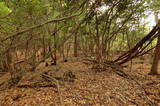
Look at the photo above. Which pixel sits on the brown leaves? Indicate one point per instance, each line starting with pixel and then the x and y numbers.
pixel 89 88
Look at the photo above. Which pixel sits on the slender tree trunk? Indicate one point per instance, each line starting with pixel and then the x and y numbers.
pixel 75 46
pixel 44 47
pixel 50 49
pixel 55 51
pixel 98 50
pixel 154 69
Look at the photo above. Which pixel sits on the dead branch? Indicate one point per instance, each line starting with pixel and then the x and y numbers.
pixel 117 70
pixel 58 86
pixel 138 48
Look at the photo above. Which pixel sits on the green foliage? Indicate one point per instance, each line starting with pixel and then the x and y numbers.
pixel 121 19
pixel 4 10
pixel 155 5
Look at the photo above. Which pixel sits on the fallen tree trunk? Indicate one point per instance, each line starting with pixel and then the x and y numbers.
pixel 138 49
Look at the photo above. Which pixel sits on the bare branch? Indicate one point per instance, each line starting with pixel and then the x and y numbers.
pixel 38 26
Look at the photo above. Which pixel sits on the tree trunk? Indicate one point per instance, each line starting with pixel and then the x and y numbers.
pixel 154 68
pixel 55 51
pixel 75 46
pixel 44 47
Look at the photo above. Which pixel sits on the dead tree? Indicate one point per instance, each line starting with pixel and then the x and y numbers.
pixel 139 48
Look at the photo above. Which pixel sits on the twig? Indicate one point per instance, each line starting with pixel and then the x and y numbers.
pixel 58 87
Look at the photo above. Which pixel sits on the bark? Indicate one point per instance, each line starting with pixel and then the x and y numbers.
pixel 154 69
pixel 75 46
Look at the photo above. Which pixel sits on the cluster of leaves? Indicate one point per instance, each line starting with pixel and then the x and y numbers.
pixel 4 10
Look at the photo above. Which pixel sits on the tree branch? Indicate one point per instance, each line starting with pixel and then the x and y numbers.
pixel 38 26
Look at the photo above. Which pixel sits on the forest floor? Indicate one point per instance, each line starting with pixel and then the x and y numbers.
pixel 88 88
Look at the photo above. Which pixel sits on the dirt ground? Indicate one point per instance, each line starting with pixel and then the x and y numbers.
pixel 89 88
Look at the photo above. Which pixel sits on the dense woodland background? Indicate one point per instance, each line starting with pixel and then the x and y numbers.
pixel 106 34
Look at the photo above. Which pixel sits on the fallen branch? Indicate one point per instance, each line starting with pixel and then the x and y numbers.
pixel 139 47
pixel 117 70
pixel 49 78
